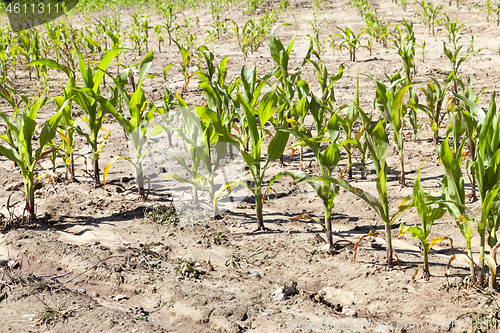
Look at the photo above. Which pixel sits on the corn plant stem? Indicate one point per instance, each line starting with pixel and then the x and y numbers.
pixel 97 180
pixel 402 180
pixel 349 161
pixel 29 186
pixel 195 196
pixel 472 268
pixel 140 179
pixel 426 261
pixel 72 167
pixel 211 189
pixel 328 226
pixel 363 170
pixel 258 207
pixel 388 238
pixel 480 279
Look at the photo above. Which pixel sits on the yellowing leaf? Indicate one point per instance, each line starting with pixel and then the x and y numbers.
pixel 436 240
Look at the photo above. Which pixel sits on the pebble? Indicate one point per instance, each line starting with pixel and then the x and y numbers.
pixel 120 297
pixel 347 311
pixel 230 297
pixel 83 291
pixel 13 264
pixel 255 274
pixel 282 297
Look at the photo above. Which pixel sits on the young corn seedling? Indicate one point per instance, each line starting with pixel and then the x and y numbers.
pixel 452 31
pixel 350 41
pixel 328 158
pixel 390 101
pixel 348 125
pixel 267 107
pixel 185 65
pixel 94 113
pixel 135 122
pixel 486 168
pixel 200 138
pixel 286 80
pixel 159 37
pixel 428 212
pixel 453 190
pixel 455 60
pixel 470 124
pixel 20 143
pixel 430 14
pixel 327 99
pixel 435 95
pixel 378 144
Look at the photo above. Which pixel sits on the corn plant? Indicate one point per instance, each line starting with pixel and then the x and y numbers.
pixel 496 9
pixel 454 58
pixel 453 190
pixel 350 41
pixel 435 95
pixel 328 158
pixel 470 124
pixel 453 31
pixel 135 122
pixel 94 113
pixel 20 142
pixel 220 95
pixel 486 168
pixel 390 101
pixel 286 80
pixel 378 144
pixel 430 13
pixel 252 5
pixel 253 160
pixel 199 137
pixel 184 66
pixel 159 36
pixel 348 125
pixel 428 212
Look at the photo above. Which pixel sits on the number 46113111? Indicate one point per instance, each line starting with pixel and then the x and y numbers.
pixel 25 8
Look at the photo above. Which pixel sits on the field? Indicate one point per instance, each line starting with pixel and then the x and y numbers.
pixel 251 166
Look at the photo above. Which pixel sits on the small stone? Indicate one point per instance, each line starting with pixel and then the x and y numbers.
pixel 154 263
pixel 95 294
pixel 120 297
pixel 230 297
pixel 255 274
pixel 266 314
pixel 278 291
pixel 347 311
pixel 83 291
pixel 282 297
pixel 13 264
